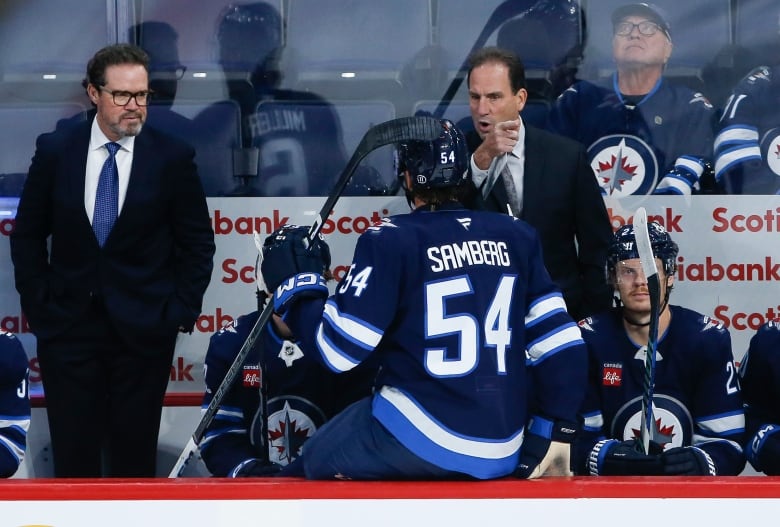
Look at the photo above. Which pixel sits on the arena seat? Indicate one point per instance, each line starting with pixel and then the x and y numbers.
pixel 22 124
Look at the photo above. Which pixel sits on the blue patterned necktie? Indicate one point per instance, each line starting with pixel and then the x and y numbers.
pixel 107 196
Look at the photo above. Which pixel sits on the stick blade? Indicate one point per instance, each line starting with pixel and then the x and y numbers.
pixel 643 245
pixel 419 128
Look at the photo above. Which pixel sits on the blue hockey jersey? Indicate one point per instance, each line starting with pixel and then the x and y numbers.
pixel 301 396
pixel 460 313
pixel 747 147
pixel 14 403
pixel 760 375
pixel 659 145
pixel 697 400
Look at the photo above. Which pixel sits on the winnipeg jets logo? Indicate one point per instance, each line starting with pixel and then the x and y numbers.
pixel 672 425
pixel 290 352
pixel 624 165
pixel 770 150
pixel 710 323
pixel 465 222
pixel 291 421
pixel 385 222
pixel 585 324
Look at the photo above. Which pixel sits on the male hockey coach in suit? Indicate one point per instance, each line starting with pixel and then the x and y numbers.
pixel 125 271
pixel 555 190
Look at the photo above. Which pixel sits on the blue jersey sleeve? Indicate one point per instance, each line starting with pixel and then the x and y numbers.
pixel 14 404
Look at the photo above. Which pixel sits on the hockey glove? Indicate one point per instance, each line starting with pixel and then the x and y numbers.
pixel 303 285
pixel 254 468
pixel 683 179
pixel 611 457
pixel 687 461
pixel 763 452
pixel 285 254
pixel 546 449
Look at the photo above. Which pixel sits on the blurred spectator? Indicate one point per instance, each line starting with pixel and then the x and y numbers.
pixel 747 146
pixel 300 141
pixel 643 134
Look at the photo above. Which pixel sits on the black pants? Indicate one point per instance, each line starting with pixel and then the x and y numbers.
pixel 103 400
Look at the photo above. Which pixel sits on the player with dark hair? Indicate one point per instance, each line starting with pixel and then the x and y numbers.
pixel 14 404
pixel 459 312
pixel 299 393
pixel 697 405
pixel 759 374
pixel 748 141
pixel 643 133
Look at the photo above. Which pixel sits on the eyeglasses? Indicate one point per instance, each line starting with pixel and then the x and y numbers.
pixel 122 98
pixel 646 28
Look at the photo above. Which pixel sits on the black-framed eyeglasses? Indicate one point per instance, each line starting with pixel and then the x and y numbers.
pixel 645 27
pixel 122 98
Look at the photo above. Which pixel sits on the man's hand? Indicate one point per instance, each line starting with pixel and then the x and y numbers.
pixel 500 140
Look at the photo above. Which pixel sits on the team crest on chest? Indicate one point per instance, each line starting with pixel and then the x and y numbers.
pixel 672 424
pixel 291 421
pixel 770 150
pixel 624 165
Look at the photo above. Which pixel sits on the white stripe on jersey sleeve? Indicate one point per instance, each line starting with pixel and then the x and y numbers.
pixel 544 307
pixel 736 135
pixel 723 424
pixel 732 156
pixel 351 328
pixel 333 357
pixel 549 344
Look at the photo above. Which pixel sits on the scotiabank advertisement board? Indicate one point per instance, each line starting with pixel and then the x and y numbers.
pixel 728 266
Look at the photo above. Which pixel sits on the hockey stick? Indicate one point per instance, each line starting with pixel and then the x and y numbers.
pixel 395 131
pixel 647 259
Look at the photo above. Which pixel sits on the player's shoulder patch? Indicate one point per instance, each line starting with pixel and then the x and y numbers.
pixel 699 98
pixel 711 324
pixel 586 324
pixel 759 74
pixel 384 224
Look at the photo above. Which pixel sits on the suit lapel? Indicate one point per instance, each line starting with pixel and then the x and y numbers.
pixel 533 171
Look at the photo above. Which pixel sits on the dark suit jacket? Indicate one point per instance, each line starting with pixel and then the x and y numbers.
pixel 561 199
pixel 154 268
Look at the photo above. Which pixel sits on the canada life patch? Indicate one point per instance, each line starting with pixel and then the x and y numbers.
pixel 624 165
pixel 612 374
pixel 251 376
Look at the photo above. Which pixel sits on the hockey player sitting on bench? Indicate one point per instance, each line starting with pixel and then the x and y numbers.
pixel 698 419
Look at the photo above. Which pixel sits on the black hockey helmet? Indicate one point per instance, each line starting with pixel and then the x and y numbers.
pixel 623 247
pixel 249 35
pixel 440 163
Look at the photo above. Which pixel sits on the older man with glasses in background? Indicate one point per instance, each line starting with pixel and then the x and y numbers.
pixel 644 134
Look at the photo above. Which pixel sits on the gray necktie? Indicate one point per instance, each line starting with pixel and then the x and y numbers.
pixel 513 198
